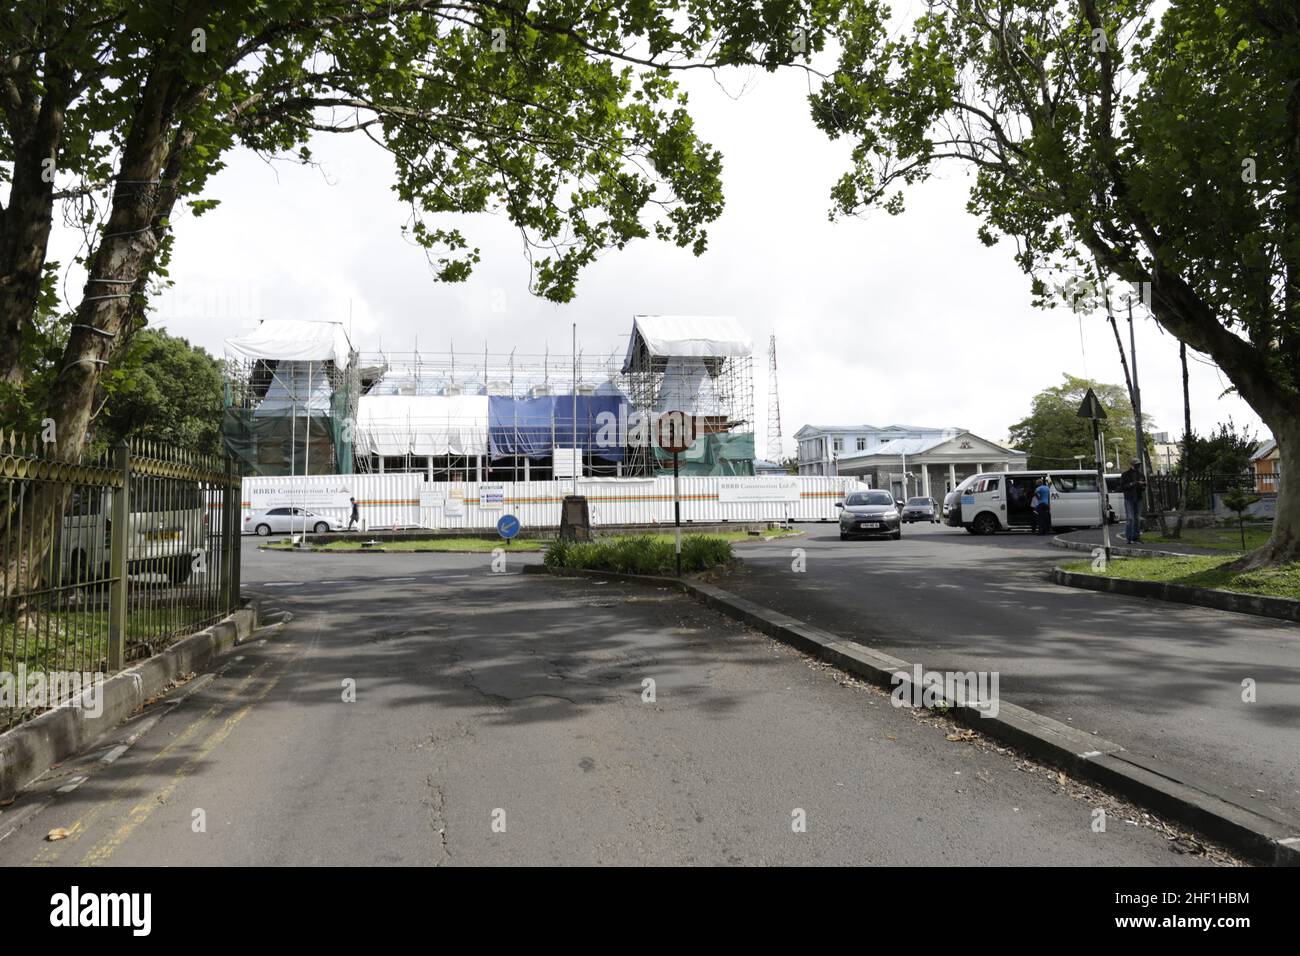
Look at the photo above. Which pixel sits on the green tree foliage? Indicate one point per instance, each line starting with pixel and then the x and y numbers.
pixel 165 390
pixel 1151 143
pixel 1053 434
pixel 1226 451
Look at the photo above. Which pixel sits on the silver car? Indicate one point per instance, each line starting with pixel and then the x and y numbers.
pixel 289 521
pixel 869 513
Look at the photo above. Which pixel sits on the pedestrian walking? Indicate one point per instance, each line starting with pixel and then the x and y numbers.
pixel 355 516
pixel 1134 486
pixel 1043 497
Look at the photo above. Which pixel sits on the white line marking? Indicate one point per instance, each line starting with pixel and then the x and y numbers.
pixel 72 784
pixel 113 754
pixel 1090 753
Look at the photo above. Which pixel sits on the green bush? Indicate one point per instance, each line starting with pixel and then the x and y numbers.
pixel 639 554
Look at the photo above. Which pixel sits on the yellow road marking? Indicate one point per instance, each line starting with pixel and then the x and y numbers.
pixel 142 810
pixel 51 852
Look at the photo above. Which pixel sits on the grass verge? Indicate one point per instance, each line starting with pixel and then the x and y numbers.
pixel 641 554
pixel 425 544
pixel 1207 571
pixel 1219 539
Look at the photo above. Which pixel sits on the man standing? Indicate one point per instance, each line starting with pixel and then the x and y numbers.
pixel 355 516
pixel 1134 487
pixel 1043 500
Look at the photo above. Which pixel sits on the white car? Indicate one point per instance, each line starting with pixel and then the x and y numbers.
pixel 290 521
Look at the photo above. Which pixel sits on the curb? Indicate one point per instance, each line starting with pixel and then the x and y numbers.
pixel 31 748
pixel 1262 834
pixel 1123 552
pixel 1261 605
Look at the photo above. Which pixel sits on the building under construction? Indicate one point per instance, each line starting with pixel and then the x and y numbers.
pixel 301 401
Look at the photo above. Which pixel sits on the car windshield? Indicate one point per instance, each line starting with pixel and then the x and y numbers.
pixel 918 501
pixel 871 498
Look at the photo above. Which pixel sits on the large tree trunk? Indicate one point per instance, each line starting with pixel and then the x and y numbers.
pixel 1283 545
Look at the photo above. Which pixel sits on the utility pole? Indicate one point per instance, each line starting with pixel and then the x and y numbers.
pixel 577 456
pixel 1137 396
pixel 773 406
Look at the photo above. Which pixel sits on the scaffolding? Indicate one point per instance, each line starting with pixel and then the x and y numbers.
pixel 703 366
pixel 290 399
pixel 294 408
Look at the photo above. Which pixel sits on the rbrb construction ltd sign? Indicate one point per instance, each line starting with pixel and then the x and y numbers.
pixel 741 490
pixel 314 494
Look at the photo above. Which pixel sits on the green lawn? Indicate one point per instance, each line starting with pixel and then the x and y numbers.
pixel 1219 539
pixel 1207 571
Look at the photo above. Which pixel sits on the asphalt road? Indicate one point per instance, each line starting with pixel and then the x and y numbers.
pixel 501 719
pixel 1159 678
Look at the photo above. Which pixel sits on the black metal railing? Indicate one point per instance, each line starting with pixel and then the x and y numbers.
pixel 1166 492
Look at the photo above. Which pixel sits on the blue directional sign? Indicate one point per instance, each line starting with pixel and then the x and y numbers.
pixel 508 526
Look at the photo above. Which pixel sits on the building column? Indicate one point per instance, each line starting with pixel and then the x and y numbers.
pixel 925 480
pixel 952 476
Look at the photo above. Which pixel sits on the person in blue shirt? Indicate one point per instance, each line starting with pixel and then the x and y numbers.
pixel 1043 497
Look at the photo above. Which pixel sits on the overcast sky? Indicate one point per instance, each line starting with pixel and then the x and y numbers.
pixel 881 320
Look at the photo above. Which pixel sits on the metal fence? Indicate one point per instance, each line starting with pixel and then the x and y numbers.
pixel 1165 492
pixel 106 561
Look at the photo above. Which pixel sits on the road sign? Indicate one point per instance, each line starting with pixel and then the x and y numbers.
pixel 1091 407
pixel 508 526
pixel 675 432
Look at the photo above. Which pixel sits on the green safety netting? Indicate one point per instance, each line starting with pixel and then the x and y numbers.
pixel 713 455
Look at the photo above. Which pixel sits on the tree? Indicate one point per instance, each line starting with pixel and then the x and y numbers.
pixel 1224 452
pixel 165 391
pixel 1054 436
pixel 1160 141
pixel 560 114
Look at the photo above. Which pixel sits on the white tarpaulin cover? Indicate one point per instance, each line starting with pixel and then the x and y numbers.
pixel 297 389
pixel 688 336
pixel 294 340
pixel 422 425
pixel 688 387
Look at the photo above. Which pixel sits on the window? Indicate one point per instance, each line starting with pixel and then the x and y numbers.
pixel 1075 484
pixel 862 444
pixel 278 511
pixel 839 444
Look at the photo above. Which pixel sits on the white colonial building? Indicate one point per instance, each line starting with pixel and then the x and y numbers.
pixel 909 460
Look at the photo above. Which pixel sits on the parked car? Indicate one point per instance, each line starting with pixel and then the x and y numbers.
pixel 921 509
pixel 869 513
pixel 168 523
pixel 289 521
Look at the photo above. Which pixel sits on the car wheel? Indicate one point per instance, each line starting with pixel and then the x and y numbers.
pixel 897 535
pixel 986 524
pixel 843 536
pixel 970 529
pixel 263 530
pixel 321 527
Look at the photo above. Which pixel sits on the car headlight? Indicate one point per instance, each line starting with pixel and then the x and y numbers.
pixel 890 515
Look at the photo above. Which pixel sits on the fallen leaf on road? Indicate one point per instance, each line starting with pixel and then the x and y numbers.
pixel 963 736
pixel 58 833
pixel 891 736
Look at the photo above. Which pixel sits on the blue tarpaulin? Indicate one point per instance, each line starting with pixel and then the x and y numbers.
pixel 533 427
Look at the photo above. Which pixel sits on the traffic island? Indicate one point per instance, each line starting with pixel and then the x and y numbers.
pixel 1204 581
pixel 1261 833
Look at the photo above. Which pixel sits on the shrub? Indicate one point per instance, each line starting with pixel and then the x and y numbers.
pixel 639 554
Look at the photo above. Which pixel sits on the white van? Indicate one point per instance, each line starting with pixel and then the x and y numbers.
pixel 168 522
pixel 1003 500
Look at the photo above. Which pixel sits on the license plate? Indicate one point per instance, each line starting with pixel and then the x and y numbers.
pixel 869 524
pixel 162 535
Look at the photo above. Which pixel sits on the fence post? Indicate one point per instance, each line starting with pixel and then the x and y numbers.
pixel 230 509
pixel 117 560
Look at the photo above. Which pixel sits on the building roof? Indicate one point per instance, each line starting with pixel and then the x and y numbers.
pixel 687 336
pixel 898 447
pixel 1264 450
pixel 294 340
